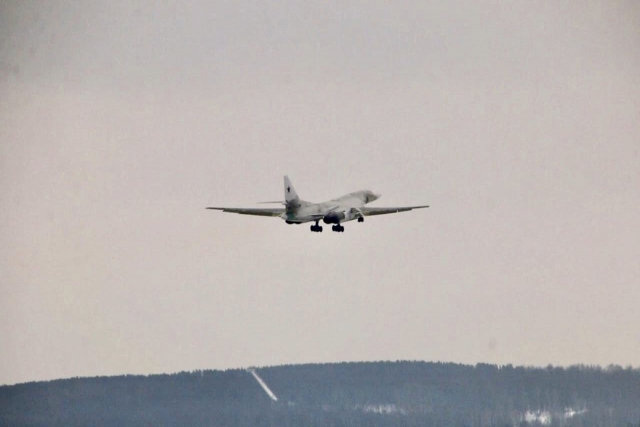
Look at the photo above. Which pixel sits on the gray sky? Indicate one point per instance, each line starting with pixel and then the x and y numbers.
pixel 518 122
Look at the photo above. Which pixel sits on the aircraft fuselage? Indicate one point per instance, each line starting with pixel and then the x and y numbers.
pixel 335 211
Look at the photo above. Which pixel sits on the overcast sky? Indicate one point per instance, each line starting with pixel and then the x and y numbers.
pixel 518 122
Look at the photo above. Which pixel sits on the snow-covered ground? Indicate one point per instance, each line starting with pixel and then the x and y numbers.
pixel 545 417
pixel 263 385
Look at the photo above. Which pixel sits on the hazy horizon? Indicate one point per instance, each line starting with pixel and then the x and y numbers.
pixel 120 122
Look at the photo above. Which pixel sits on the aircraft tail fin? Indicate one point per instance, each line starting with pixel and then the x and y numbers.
pixel 290 194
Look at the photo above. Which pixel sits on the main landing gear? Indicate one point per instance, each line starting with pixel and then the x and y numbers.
pixel 318 228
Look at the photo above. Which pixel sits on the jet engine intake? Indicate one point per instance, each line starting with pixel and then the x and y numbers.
pixel 333 217
pixel 336 217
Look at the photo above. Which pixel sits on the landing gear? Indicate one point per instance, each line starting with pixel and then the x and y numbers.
pixel 361 219
pixel 337 228
pixel 316 228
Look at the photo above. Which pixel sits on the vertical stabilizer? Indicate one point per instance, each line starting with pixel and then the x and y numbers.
pixel 290 194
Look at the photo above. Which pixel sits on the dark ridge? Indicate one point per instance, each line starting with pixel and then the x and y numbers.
pixel 400 393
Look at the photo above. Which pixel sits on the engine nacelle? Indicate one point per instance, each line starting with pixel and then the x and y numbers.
pixel 336 217
pixel 333 217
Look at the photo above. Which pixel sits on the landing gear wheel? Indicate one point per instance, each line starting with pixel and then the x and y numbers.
pixel 361 219
pixel 316 228
pixel 337 228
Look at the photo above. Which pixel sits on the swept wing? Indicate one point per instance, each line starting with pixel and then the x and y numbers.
pixel 253 211
pixel 368 211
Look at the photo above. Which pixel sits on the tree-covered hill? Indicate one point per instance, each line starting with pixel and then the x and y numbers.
pixel 344 394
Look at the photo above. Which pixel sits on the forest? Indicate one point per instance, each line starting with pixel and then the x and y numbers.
pixel 402 393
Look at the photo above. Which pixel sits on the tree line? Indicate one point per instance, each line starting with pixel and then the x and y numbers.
pixel 402 393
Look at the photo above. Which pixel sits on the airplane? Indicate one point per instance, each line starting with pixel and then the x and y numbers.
pixel 336 211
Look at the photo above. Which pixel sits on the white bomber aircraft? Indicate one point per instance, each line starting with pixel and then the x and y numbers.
pixel 336 211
